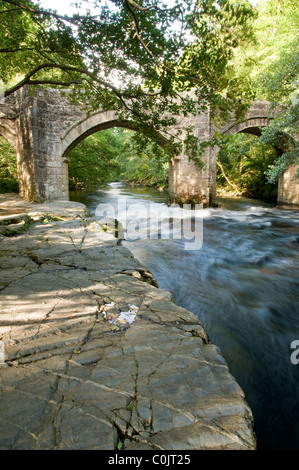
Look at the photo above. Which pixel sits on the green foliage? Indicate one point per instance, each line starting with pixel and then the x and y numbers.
pixel 14 232
pixel 272 63
pixel 274 171
pixel 46 218
pixel 8 168
pixel 279 83
pixel 112 155
pixel 148 168
pixel 132 57
pixel 277 79
pixel 120 445
pixel 219 28
pixel 30 38
pixel 243 160
pixel 277 33
pixel 93 161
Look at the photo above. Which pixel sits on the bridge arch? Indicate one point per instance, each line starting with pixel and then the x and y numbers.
pixel 91 124
pixel 258 117
pixel 250 126
pixel 97 122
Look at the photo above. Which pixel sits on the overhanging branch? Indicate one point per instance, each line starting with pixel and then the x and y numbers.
pixel 66 68
pixel 139 7
pixel 40 11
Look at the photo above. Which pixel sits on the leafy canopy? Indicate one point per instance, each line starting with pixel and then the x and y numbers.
pixel 94 161
pixel 278 79
pixel 272 63
pixel 136 57
pixel 242 162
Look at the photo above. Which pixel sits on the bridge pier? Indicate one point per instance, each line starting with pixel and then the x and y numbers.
pixel 288 186
pixel 43 173
pixel 188 183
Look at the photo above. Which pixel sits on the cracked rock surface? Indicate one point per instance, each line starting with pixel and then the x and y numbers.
pixel 97 355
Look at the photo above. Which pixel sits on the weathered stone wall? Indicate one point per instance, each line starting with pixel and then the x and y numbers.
pixel 35 132
pixel 187 182
pixel 258 115
pixel 20 136
pixel 288 186
pixel 50 115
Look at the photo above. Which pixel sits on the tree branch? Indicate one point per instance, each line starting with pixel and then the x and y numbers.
pixel 26 49
pixel 41 11
pixel 136 5
pixel 17 49
pixel 231 183
pixel 66 68
pixel 140 39
pixel 137 28
pixel 54 82
pixel 8 11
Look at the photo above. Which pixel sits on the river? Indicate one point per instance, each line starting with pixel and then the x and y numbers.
pixel 243 284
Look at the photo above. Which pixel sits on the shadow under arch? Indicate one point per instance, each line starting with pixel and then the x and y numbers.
pixel 254 127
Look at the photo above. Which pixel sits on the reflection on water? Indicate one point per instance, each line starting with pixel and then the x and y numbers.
pixel 243 286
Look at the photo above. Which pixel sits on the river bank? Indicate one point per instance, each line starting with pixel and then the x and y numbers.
pixel 98 357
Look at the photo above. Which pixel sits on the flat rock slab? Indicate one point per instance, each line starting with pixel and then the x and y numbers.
pixel 12 205
pixel 96 356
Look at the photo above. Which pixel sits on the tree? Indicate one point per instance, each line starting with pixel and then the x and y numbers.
pixel 147 168
pixel 94 161
pixel 281 86
pixel 275 75
pixel 243 161
pixel 272 63
pixel 110 155
pixel 152 51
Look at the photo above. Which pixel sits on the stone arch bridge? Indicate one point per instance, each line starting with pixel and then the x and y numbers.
pixel 43 127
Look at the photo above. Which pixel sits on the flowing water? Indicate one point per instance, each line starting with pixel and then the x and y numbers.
pixel 243 285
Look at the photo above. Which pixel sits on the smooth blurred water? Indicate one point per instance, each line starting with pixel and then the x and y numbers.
pixel 243 285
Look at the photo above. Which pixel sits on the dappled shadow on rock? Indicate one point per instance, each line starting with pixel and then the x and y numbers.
pixel 80 374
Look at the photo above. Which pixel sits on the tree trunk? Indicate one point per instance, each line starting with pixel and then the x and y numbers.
pixel 231 183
